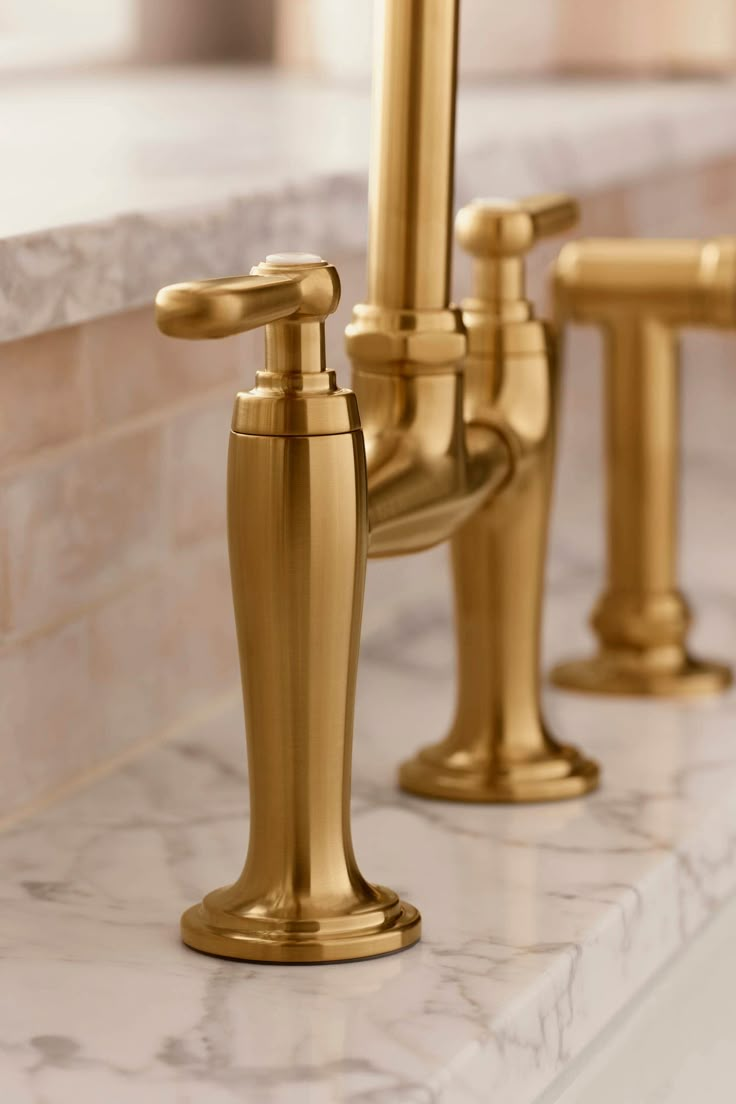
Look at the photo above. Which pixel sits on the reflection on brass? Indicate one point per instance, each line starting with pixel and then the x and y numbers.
pixel 298 534
pixel 641 293
pixel 498 748
pixel 313 489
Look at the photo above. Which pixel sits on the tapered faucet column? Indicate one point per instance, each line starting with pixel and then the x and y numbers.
pixel 641 293
pixel 298 531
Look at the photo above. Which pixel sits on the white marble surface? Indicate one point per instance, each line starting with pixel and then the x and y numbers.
pixel 540 923
pixel 678 1043
pixel 114 184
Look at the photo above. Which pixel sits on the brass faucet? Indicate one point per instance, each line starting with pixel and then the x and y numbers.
pixel 448 436
pixel 641 293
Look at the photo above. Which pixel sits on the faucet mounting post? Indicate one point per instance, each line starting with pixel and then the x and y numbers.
pixel 499 747
pixel 298 532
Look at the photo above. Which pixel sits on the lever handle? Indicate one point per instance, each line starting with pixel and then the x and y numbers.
pixel 298 286
pixel 290 294
pixel 221 308
pixel 497 228
pixel 551 214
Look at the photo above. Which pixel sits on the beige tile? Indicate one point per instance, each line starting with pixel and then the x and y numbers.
pixel 717 184
pixel 126 669
pixel 199 649
pixel 45 722
pixel 41 393
pixel 4 566
pixel 196 471
pixel 78 529
pixel 709 363
pixel 605 213
pixel 134 369
pixel 667 205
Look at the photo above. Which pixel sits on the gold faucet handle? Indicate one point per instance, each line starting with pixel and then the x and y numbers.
pixel 300 287
pixel 290 294
pixel 498 228
pixel 498 233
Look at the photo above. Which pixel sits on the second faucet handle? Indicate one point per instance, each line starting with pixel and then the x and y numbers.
pixel 498 233
pixel 498 228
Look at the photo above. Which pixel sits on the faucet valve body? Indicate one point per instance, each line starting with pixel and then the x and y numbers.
pixel 499 748
pixel 298 533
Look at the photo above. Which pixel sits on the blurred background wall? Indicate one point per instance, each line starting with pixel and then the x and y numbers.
pixel 333 37
pixel 522 37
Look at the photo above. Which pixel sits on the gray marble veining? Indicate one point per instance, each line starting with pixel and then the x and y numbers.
pixel 540 923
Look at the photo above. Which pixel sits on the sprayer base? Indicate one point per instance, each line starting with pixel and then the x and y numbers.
pixel 615 673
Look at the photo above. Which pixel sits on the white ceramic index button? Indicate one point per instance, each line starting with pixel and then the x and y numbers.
pixel 289 259
pixel 494 203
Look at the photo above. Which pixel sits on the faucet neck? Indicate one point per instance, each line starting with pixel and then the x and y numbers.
pixel 412 156
pixel 295 348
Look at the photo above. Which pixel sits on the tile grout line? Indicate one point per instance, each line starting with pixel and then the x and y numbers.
pixel 86 441
pixel 12 640
pixel 85 778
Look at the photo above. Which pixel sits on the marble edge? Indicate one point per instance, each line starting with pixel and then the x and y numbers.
pixel 77 272
pixel 647 926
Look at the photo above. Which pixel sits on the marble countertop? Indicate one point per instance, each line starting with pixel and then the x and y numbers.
pixel 540 923
pixel 677 1044
pixel 116 183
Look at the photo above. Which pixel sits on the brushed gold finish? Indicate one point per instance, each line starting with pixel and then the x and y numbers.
pixel 499 748
pixel 440 455
pixel 219 308
pixel 412 154
pixel 641 293
pixel 313 489
pixel 298 536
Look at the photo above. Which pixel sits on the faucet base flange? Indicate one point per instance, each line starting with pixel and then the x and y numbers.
pixel 391 925
pixel 559 773
pixel 634 675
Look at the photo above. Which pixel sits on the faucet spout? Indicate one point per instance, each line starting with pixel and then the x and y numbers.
pixel 427 471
